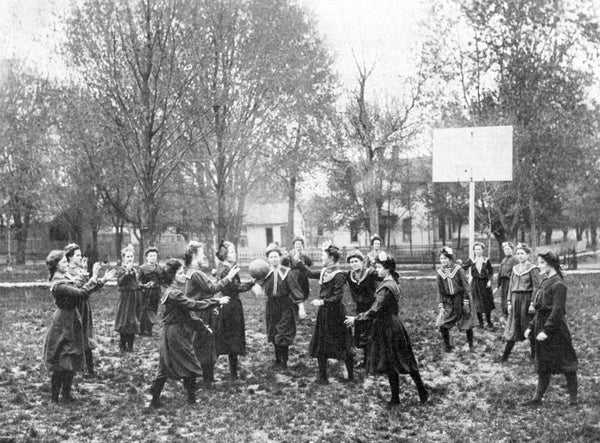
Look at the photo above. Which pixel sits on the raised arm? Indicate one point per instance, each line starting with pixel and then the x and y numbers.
pixel 65 289
pixel 191 305
pixel 309 273
pixel 202 282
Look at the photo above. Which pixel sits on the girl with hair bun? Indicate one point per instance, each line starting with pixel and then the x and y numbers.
pixel 280 312
pixel 504 274
pixel 553 348
pixel 150 278
pixel 200 287
pixel 482 274
pixel 362 282
pixel 331 338
pixel 127 321
pixel 524 280
pixel 178 359
pixel 376 244
pixel 64 346
pixel 231 333
pixel 390 347
pixel 77 271
pixel 454 302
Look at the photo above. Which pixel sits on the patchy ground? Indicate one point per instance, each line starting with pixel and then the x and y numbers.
pixel 473 398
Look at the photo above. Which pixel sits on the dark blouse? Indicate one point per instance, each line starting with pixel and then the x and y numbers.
pixel 386 302
pixel 452 281
pixel 66 293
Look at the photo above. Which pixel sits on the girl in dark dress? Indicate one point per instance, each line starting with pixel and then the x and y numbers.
pixel 150 278
pixel 297 280
pixel 390 348
pixel 127 321
pixel 362 281
pixel 331 338
pixel 454 303
pixel 280 311
pixel 199 287
pixel 231 332
pixel 177 356
pixel 78 272
pixel 504 274
pixel 524 280
pixel 482 274
pixel 64 347
pixel 553 348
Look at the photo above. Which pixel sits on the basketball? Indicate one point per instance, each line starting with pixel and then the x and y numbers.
pixel 258 269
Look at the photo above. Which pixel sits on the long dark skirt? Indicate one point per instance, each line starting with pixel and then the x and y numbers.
pixel 331 338
pixel 391 350
pixel 204 343
pixel 456 314
pixel 150 299
pixel 64 344
pixel 281 321
pixel 362 329
pixel 127 320
pixel 518 317
pixel 231 333
pixel 177 356
pixel 483 298
pixel 556 354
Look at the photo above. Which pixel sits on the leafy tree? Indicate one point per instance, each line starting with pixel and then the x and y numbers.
pixel 26 155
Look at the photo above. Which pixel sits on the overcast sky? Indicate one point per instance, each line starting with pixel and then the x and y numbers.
pixel 380 31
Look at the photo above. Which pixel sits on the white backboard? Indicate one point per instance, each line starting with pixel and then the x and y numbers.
pixel 481 153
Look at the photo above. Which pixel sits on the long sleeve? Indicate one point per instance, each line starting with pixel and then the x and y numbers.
pixel 375 307
pixel 338 289
pixel 467 264
pixel 64 289
pixel 490 270
pixel 184 302
pixel 535 279
pixel 309 273
pixel 559 300
pixel 510 285
pixel 206 286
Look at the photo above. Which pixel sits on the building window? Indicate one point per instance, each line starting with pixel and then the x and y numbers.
pixel 406 229
pixel 269 234
pixel 353 233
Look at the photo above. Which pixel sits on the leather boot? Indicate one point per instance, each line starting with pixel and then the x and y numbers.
pixel 67 386
pixel 155 390
pixel 507 350
pixel 423 395
pixel 89 362
pixel 350 367
pixel 208 374
pixel 284 356
pixel 572 387
pixel 394 380
pixel 123 343
pixel 322 379
pixel 190 387
pixel 233 366
pixel 56 381
pixel 277 355
pixel 130 341
pixel 446 337
pixel 470 339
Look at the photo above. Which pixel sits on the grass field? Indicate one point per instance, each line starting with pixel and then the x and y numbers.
pixel 473 398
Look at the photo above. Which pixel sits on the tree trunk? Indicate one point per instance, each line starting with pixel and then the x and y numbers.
pixel 373 217
pixel 118 225
pixel 21 232
pixel 548 235
pixel 291 211
pixel 579 232
pixel 533 223
pixel 594 234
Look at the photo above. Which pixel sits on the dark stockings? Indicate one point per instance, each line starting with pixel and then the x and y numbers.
pixel 89 361
pixel 350 367
pixel 233 366
pixel 470 338
pixel 322 371
pixel 156 389
pixel 446 336
pixel 510 344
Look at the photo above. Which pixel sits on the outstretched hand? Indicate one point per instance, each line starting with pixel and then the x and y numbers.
pixel 233 272
pixel 349 322
pixel 224 300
